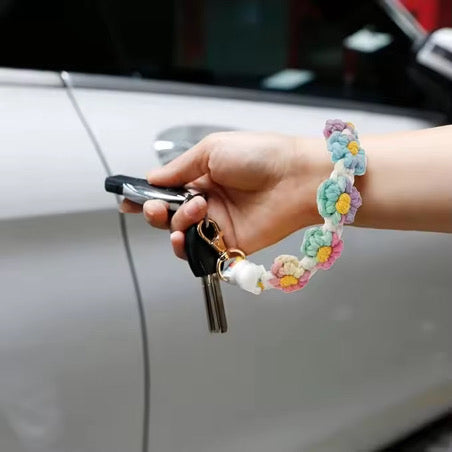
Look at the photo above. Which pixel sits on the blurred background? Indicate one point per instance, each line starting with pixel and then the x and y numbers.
pixel 358 50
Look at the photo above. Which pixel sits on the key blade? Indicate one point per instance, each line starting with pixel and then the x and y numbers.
pixel 219 305
pixel 210 299
pixel 203 260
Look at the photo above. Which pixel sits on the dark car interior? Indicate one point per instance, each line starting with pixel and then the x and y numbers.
pixel 237 44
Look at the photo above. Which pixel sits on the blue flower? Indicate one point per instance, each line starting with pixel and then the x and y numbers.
pixel 347 147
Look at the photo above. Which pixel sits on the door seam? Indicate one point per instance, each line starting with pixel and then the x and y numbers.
pixel 66 79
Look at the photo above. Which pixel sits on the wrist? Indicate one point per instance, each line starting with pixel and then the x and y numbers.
pixel 315 167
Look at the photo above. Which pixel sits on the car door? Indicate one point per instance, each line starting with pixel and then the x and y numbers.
pixel 354 360
pixel 71 362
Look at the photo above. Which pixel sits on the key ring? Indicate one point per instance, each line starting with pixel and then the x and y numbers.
pixel 218 244
pixel 231 253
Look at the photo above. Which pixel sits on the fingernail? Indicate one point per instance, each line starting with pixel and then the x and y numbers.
pixel 194 206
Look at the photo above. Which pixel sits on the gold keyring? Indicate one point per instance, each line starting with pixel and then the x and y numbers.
pixel 229 254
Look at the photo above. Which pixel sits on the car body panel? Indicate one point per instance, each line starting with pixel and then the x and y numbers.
pixel 71 372
pixel 49 166
pixel 294 372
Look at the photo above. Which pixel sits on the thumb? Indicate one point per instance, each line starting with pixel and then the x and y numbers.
pixel 183 169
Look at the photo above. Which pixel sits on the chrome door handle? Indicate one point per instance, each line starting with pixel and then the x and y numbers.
pixel 176 140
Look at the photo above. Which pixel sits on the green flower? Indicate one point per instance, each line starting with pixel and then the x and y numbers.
pixel 324 246
pixel 328 195
pixel 315 238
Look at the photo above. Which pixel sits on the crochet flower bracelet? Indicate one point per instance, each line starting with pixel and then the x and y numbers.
pixel 337 202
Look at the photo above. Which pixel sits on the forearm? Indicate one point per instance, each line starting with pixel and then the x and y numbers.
pixel 408 183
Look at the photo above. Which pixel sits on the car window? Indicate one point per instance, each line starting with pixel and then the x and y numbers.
pixel 317 47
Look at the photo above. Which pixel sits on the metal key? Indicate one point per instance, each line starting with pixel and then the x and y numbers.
pixel 203 259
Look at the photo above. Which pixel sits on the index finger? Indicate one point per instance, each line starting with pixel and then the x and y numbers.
pixel 189 166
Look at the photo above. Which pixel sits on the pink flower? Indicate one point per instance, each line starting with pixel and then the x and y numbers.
pixel 289 274
pixel 327 255
pixel 279 283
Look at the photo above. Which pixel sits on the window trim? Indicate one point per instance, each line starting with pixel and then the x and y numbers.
pixel 138 85
pixel 30 77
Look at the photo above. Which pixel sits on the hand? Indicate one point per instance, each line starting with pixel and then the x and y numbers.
pixel 260 186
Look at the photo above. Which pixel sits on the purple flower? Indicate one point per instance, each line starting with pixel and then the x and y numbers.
pixel 355 202
pixel 333 125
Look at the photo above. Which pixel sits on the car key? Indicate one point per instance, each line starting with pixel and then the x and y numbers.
pixel 203 258
pixel 203 251
pixel 140 191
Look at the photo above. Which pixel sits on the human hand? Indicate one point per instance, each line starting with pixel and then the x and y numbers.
pixel 260 188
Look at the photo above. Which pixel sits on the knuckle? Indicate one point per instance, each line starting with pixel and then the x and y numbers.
pixel 214 140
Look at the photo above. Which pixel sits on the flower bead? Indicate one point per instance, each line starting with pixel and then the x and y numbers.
pixel 336 125
pixel 288 273
pixel 333 125
pixel 324 246
pixel 338 200
pixel 347 147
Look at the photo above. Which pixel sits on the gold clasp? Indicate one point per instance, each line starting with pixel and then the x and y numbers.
pixel 220 247
pixel 217 241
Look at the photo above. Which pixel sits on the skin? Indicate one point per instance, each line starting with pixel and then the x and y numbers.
pixel 262 186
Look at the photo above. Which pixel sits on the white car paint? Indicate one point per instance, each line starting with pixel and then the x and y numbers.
pixel 359 357
pixel 71 369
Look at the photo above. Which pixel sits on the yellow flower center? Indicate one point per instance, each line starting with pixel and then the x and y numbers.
pixel 343 203
pixel 288 280
pixel 350 124
pixel 353 147
pixel 324 253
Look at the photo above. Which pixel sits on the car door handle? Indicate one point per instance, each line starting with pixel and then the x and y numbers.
pixel 176 140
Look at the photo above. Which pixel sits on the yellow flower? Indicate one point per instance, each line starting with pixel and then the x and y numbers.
pixel 353 147
pixel 324 253
pixel 288 280
pixel 343 203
